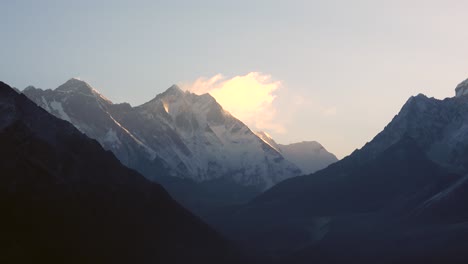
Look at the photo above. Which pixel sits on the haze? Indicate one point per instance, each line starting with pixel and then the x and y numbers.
pixel 331 71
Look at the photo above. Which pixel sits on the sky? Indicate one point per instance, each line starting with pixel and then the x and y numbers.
pixel 331 71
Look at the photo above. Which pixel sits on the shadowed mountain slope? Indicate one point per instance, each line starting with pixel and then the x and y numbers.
pixel 65 199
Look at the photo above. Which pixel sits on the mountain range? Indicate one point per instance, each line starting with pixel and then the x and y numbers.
pixel 64 199
pixel 399 199
pixel 309 156
pixel 201 153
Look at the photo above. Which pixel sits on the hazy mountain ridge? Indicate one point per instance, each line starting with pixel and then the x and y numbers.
pixel 309 156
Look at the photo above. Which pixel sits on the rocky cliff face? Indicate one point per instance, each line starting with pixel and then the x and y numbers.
pixel 462 89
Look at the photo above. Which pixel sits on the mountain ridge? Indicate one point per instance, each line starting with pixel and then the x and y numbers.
pixel 65 199
pixel 309 156
pixel 194 132
pixel 200 153
pixel 401 198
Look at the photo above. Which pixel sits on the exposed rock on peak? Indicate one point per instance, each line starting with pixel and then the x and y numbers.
pixel 30 87
pixel 75 85
pixel 173 91
pixel 462 89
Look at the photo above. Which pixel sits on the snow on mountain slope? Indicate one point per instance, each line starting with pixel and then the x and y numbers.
pixel 209 142
pixel 440 127
pixel 309 156
pixel 268 139
pixel 191 135
pixel 77 102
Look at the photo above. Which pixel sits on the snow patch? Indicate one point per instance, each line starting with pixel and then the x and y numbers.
pixel 57 106
pixel 46 105
pixel 111 137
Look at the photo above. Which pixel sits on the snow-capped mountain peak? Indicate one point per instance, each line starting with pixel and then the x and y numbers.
pixel 177 102
pixel 462 89
pixel 209 142
pixel 309 156
pixel 75 85
pixel 439 127
pixel 30 87
pixel 191 134
pixel 173 91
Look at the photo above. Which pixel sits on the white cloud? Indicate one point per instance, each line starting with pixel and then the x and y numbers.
pixel 249 97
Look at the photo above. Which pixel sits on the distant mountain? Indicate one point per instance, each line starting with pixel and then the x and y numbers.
pixel 214 158
pixel 399 199
pixel 309 156
pixel 65 199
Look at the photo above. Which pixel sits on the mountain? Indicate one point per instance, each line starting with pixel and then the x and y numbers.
pixel 201 154
pixel 399 199
pixel 78 103
pixel 309 156
pixel 65 199
pixel 440 128
pixel 210 144
pixel 268 140
pixel 190 135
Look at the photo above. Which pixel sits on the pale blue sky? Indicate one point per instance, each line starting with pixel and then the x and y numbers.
pixel 347 66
